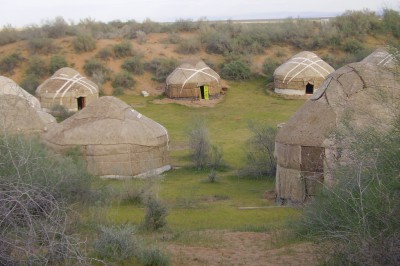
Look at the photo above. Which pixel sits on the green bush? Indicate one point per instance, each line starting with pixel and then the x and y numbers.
pixel 10 62
pixel 153 257
pixel 123 49
pixel 37 67
pixel 41 46
pixel 235 70
pixel 30 83
pixel 353 46
pixel 84 43
pixel 116 243
pixel 94 67
pixel 162 67
pixel 269 67
pixel 57 62
pixel 55 28
pixel 8 34
pixel 123 80
pixel 357 23
pixel 156 214
pixel 134 65
pixel 391 21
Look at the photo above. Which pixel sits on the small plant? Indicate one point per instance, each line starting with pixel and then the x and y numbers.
pixel 134 65
pixel 212 176
pixel 156 214
pixel 353 46
pixel 123 80
pixel 60 112
pixel 141 37
pixel 123 49
pixel 10 62
pixel 116 243
pixel 268 68
pixel 190 46
pixel 41 45
pixel 153 257
pixel 57 62
pixel 94 66
pixel 162 67
pixel 30 83
pixel 37 66
pixel 84 43
pixel 105 54
pixel 235 70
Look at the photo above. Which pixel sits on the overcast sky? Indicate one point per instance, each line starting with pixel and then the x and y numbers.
pixel 20 13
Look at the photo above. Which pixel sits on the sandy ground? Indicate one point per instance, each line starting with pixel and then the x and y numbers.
pixel 243 248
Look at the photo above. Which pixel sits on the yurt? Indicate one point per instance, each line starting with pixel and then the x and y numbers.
pixel 115 140
pixel 18 116
pixel 193 81
pixel 301 75
pixel 8 86
pixel 67 88
pixel 381 57
pixel 305 147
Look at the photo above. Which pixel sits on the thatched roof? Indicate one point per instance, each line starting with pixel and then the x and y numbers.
pixel 8 86
pixel 303 65
pixel 361 90
pixel 200 74
pixel 66 80
pixel 108 121
pixel 381 57
pixel 19 116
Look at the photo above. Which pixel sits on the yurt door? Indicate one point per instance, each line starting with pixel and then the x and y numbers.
pixel 81 103
pixel 204 92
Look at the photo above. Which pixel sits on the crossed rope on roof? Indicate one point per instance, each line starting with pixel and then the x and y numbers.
pixel 195 72
pixel 76 79
pixel 307 63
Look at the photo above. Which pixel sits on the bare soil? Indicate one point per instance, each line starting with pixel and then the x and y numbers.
pixel 243 248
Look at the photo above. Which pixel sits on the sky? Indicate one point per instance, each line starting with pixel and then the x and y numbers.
pixel 19 13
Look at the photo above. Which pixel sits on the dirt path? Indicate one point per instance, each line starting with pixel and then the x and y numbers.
pixel 242 248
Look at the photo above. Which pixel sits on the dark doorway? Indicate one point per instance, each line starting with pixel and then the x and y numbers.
pixel 309 88
pixel 202 92
pixel 81 103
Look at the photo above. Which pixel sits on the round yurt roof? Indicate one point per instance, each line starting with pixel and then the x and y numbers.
pixel 64 80
pixel 18 116
pixel 108 121
pixel 356 91
pixel 303 65
pixel 187 73
pixel 8 86
pixel 381 57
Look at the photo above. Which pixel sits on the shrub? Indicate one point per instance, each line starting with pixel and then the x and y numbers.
pixel 260 160
pixel 353 46
pixel 84 43
pixel 56 28
pixel 57 62
pixel 184 25
pixel 10 62
pixel 235 70
pixel 123 80
pixel 94 67
pixel 61 112
pixel 153 257
pixel 190 46
pixel 30 83
pixel 134 65
pixel 391 21
pixel 357 23
pixel 116 243
pixel 162 67
pixel 156 214
pixel 41 45
pixel 105 54
pixel 37 67
pixel 8 34
pixel 141 36
pixel 123 49
pixel 118 91
pixel 268 68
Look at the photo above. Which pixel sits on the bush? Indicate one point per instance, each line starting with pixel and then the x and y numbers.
pixel 391 21
pixel 153 257
pixel 56 28
pixel 268 68
pixel 134 65
pixel 123 49
pixel 84 43
pixel 57 62
pixel 10 62
pixel 116 243
pixel 260 160
pixel 190 46
pixel 162 67
pixel 235 70
pixel 353 46
pixel 105 54
pixel 123 80
pixel 8 34
pixel 37 67
pixel 61 112
pixel 30 83
pixel 94 67
pixel 141 36
pixel 156 214
pixel 41 45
